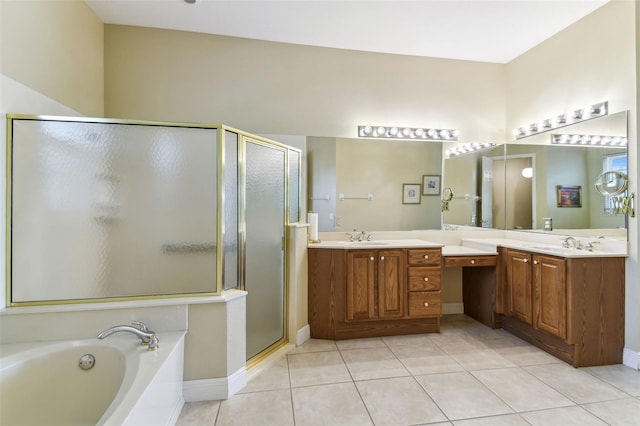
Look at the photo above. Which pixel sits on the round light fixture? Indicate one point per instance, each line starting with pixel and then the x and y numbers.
pixel 527 172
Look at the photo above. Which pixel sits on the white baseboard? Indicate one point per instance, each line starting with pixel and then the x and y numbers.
pixel 303 335
pixel 631 358
pixel 214 389
pixel 452 308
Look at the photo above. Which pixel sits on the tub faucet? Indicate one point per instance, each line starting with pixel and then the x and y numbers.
pixel 144 334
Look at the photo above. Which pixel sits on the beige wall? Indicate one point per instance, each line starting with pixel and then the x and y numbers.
pixel 591 61
pixel 278 88
pixel 56 49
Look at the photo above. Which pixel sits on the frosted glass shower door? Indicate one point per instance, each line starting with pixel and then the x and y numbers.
pixel 264 247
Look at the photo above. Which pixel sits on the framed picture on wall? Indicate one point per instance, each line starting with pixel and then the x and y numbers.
pixel 569 196
pixel 411 193
pixel 431 185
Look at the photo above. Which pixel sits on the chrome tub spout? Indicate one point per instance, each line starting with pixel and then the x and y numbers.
pixel 147 337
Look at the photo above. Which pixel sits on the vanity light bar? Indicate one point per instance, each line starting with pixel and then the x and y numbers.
pixel 467 148
pixel 612 141
pixel 571 117
pixel 412 133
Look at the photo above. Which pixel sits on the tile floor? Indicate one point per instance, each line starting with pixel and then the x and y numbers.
pixel 467 375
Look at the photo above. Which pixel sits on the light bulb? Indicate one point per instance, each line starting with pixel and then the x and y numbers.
pixel 406 132
pixel 444 134
pixel 432 133
pixel 381 130
pixel 527 172
pixel 418 132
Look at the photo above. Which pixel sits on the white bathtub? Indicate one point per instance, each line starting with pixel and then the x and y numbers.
pixel 42 383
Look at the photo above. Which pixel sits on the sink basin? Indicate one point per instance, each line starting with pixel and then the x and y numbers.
pixel 369 243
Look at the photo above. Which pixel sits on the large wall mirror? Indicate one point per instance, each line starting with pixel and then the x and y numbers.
pixel 534 184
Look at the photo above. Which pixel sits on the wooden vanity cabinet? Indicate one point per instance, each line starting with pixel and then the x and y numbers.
pixel 366 293
pixel 424 275
pixel 571 307
pixel 375 284
pixel 519 287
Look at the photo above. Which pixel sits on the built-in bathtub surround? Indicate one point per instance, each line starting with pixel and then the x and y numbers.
pixel 43 383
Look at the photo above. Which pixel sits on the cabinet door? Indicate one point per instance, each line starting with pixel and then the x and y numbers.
pixel 550 303
pixel 392 290
pixel 519 285
pixel 361 285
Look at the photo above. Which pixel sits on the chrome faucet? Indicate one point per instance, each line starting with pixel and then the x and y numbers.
pixel 574 243
pixel 139 329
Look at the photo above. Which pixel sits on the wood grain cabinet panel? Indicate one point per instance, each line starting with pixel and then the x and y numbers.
pixel 425 257
pixel 550 302
pixel 361 294
pixel 422 278
pixel 425 303
pixel 519 291
pixel 391 283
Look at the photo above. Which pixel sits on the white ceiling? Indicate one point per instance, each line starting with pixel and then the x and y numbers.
pixel 478 30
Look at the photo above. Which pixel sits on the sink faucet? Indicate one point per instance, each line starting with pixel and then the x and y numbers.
pixel 144 334
pixel 358 236
pixel 574 243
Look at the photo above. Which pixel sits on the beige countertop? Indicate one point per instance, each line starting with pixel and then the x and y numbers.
pixel 375 244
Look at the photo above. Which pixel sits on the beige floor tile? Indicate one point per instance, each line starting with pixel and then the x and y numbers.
pixel 579 386
pixel 481 359
pixel 431 365
pixel 620 376
pixel 372 342
pixel 623 412
pixel 315 345
pixel 336 404
pixel 258 408
pixel 521 390
pixel 527 355
pixel 317 368
pixel 275 377
pixel 421 341
pixel 198 413
pixel 507 420
pixel 398 401
pixel 378 363
pixel 405 352
pixel 461 396
pixel 565 416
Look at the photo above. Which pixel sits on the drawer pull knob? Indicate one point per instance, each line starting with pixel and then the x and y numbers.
pixel 371 257
pixel 381 257
pixel 525 260
pixel 426 278
pixel 473 261
pixel 535 262
pixel 426 256
pixel 426 304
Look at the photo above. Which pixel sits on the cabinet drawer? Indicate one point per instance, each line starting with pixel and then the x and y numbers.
pixel 426 257
pixel 424 278
pixel 425 303
pixel 467 261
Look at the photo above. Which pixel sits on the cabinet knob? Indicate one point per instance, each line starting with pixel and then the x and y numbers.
pixel 473 261
pixel 535 262
pixel 525 260
pixel 426 256
pixel 426 278
pixel 371 258
pixel 426 304
pixel 381 257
